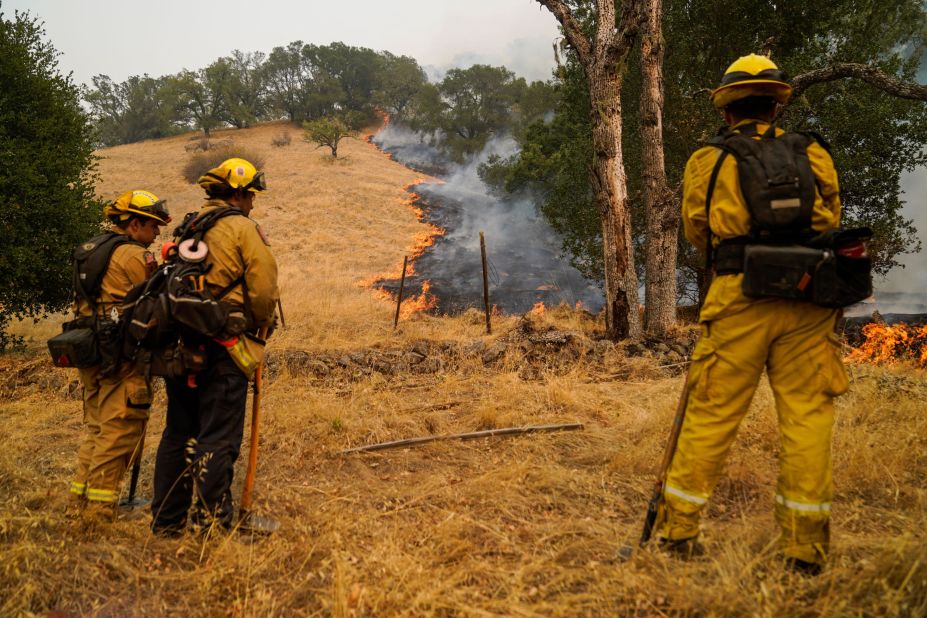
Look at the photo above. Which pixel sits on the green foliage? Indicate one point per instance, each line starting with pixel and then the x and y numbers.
pixel 47 201
pixel 244 89
pixel 874 137
pixel 328 132
pixel 400 81
pixel 201 96
pixel 202 162
pixel 552 163
pixel 472 105
pixel 131 111
pixel 297 81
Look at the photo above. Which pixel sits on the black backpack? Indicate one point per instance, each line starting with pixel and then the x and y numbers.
pixel 775 177
pixel 174 306
pixel 94 340
pixel 783 256
pixel 90 262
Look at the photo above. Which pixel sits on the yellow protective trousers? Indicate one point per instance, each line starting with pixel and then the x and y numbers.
pixel 115 412
pixel 795 343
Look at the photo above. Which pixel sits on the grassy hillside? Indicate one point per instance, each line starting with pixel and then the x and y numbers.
pixel 524 526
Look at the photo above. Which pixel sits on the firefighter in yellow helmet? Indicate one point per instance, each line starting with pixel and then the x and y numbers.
pixel 792 340
pixel 116 398
pixel 206 410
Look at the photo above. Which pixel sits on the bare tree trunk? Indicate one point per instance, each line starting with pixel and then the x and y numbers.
pixel 610 185
pixel 603 58
pixel 662 214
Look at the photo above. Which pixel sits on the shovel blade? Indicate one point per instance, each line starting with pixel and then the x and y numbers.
pixel 249 523
pixel 135 502
pixel 624 553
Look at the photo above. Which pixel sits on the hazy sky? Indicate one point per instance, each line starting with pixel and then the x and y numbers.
pixel 127 37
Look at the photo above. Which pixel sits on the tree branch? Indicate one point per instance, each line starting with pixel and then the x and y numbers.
pixel 633 16
pixel 869 74
pixel 571 29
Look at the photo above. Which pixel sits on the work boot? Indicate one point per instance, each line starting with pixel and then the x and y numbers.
pixel 682 549
pixel 803 567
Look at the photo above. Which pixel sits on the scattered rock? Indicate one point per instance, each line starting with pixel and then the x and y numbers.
pixel 494 353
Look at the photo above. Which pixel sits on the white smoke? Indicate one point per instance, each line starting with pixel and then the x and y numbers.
pixel 528 264
pixel 904 289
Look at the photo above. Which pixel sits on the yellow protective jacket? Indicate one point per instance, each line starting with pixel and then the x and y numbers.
pixel 237 248
pixel 730 217
pixel 128 267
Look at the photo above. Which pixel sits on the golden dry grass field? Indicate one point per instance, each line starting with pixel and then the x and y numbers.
pixel 522 526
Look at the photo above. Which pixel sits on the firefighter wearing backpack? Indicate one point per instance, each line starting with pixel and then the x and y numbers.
pixel 792 340
pixel 206 409
pixel 116 398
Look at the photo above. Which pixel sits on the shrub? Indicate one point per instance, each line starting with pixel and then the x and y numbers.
pixel 47 174
pixel 202 162
pixel 281 140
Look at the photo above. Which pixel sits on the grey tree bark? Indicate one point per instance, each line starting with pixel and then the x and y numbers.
pixel 603 58
pixel 660 205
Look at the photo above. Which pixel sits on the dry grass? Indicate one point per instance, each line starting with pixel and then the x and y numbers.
pixel 524 526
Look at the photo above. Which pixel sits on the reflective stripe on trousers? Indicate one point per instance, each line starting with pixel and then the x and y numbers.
pixel 806 507
pixel 101 495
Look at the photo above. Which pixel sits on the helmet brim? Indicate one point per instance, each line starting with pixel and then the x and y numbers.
pixel 723 96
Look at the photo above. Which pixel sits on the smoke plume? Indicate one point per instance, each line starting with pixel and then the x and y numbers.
pixel 527 264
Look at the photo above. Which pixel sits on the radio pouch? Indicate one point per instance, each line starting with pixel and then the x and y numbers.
pixel 846 277
pixel 781 271
pixel 76 346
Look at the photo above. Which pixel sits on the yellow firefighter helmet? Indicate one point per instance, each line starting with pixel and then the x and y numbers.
pixel 751 76
pixel 137 203
pixel 235 174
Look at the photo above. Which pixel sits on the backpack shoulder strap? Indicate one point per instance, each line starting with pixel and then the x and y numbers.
pixel 91 261
pixel 196 226
pixel 712 181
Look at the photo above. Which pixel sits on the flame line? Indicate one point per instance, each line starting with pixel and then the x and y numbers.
pixel 425 301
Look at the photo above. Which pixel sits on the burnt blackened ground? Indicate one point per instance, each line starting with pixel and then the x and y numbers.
pixel 527 264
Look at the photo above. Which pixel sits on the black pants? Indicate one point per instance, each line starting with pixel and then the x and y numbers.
pixel 200 444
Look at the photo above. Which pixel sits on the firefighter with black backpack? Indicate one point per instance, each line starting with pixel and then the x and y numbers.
pixel 116 397
pixel 765 205
pixel 206 407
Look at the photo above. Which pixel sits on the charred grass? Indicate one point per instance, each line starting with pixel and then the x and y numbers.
pixel 522 526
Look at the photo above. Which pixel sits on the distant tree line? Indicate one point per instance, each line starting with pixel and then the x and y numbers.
pixel 305 82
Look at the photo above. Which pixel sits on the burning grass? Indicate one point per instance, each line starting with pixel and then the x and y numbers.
pixel 892 344
pixel 524 526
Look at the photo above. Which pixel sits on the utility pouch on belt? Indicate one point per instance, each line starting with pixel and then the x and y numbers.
pixel 846 278
pixel 76 346
pixel 247 351
pixel 782 272
pixel 109 342
pixel 833 270
pixel 172 361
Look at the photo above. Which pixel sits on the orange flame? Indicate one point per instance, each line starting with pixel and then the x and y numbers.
pixel 537 309
pixel 890 344
pixel 424 301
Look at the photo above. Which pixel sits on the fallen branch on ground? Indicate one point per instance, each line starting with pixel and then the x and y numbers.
pixel 488 433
